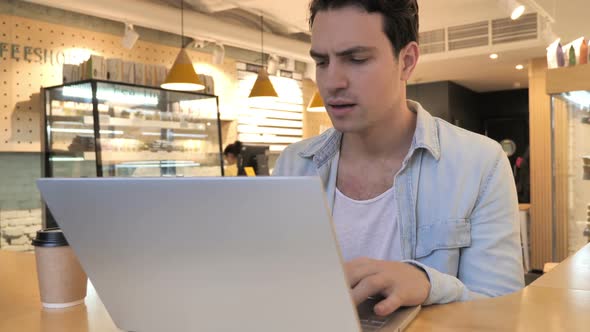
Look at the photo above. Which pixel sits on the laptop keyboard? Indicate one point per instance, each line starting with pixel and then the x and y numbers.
pixel 369 320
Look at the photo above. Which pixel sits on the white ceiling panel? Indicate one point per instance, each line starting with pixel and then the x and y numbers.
pixel 473 69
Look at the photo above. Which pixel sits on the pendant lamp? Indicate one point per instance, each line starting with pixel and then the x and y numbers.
pixel 316 103
pixel 182 75
pixel 263 86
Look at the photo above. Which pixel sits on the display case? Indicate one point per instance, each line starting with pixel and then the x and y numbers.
pixel 569 89
pixel 104 129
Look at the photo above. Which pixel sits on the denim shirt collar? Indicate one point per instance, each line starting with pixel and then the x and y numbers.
pixel 327 145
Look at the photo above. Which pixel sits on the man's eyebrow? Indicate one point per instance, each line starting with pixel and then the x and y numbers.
pixel 316 55
pixel 356 49
pixel 346 52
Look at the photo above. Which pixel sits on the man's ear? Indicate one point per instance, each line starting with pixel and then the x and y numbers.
pixel 408 58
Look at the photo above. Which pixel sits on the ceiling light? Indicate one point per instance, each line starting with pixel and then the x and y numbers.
pixel 182 75
pixel 493 56
pixel 519 67
pixel 316 104
pixel 513 8
pixel 218 54
pixel 130 37
pixel 272 64
pixel 263 86
pixel 517 12
pixel 197 43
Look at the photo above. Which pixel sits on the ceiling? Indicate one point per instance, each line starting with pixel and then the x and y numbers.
pixel 474 70
pixel 571 16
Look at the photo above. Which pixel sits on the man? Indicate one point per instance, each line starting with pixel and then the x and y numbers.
pixel 425 212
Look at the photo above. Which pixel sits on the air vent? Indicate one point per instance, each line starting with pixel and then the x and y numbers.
pixel 468 35
pixel 508 31
pixel 432 41
pixel 484 33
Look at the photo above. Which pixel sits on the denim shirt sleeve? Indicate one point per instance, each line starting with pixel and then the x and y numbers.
pixel 489 267
pixel 279 168
pixel 291 163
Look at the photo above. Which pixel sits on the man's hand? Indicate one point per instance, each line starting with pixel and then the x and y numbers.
pixel 401 284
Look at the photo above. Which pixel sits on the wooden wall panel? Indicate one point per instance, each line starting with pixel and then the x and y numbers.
pixel 562 174
pixel 540 161
pixel 313 122
pixel 21 80
pixel 543 232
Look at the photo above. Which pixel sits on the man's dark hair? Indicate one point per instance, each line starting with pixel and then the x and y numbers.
pixel 400 17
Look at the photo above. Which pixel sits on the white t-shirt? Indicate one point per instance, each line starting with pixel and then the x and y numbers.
pixel 367 228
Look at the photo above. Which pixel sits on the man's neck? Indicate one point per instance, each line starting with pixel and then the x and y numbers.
pixel 385 140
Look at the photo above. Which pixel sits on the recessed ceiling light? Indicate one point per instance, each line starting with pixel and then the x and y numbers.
pixel 519 67
pixel 517 12
pixel 493 56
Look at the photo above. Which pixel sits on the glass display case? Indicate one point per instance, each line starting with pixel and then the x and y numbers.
pixel 105 129
pixel 570 136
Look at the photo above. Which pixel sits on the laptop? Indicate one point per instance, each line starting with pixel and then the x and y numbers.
pixel 211 254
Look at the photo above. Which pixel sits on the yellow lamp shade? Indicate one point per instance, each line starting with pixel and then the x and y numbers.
pixel 182 75
pixel 316 104
pixel 263 86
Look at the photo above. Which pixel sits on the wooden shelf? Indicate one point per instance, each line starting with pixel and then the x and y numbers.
pixel 567 79
pixel 124 156
pixel 121 122
pixel 107 120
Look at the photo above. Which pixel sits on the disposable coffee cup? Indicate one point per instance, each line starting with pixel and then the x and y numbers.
pixel 62 281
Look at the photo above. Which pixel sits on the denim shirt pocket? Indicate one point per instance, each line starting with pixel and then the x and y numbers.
pixel 448 234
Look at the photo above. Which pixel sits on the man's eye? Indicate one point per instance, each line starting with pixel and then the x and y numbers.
pixel 320 63
pixel 358 60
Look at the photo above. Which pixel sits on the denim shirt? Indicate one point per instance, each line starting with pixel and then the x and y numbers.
pixel 457 206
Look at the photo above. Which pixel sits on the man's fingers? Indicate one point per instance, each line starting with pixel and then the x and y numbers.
pixel 368 286
pixel 388 305
pixel 360 268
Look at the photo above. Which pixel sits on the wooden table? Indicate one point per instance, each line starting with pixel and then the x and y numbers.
pixel 558 301
pixel 572 273
pixel 21 310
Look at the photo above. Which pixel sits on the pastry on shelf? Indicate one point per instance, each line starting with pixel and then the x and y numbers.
pixel 139 115
pixel 82 144
pixel 165 116
pixel 125 114
pixel 149 116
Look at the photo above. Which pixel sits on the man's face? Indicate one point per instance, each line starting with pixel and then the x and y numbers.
pixel 357 73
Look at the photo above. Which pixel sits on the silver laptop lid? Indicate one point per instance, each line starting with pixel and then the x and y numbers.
pixel 207 254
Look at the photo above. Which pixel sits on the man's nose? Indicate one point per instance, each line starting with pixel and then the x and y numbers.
pixel 335 77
